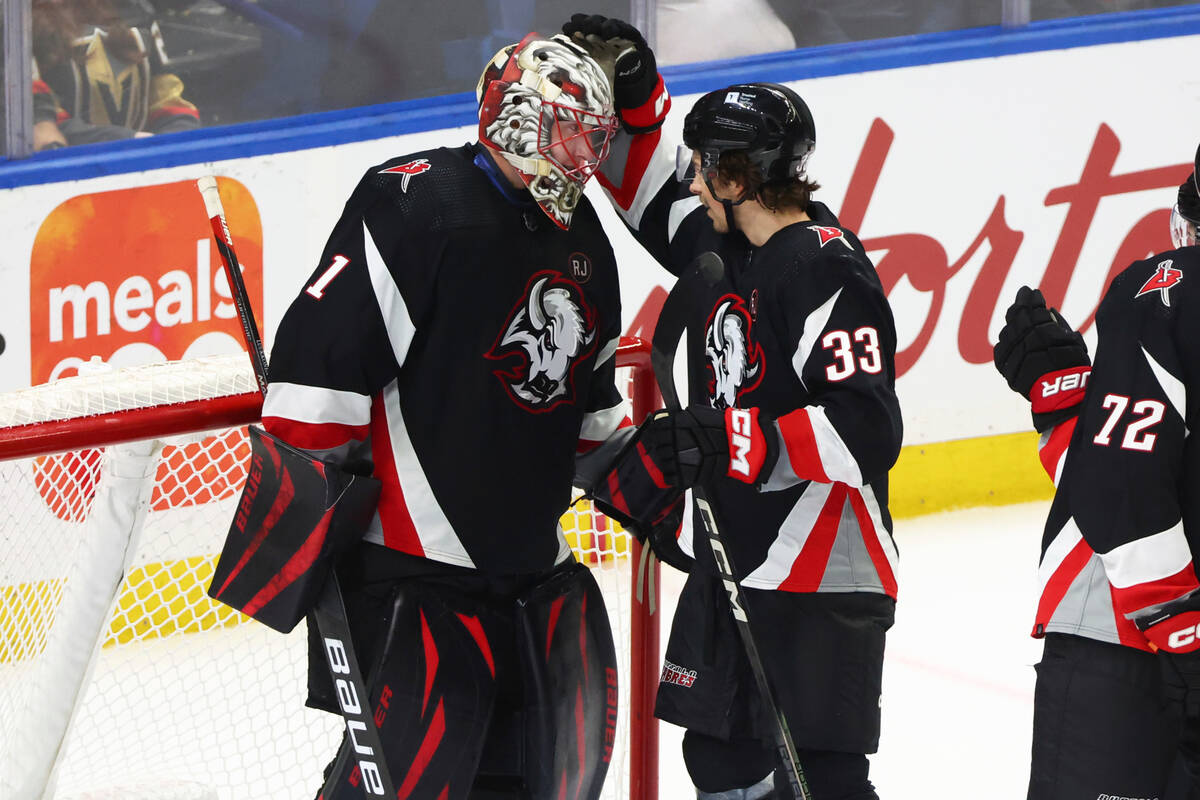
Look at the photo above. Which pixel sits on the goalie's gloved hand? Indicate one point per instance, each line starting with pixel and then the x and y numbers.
pixel 634 67
pixel 689 445
pixel 1174 631
pixel 625 484
pixel 1042 358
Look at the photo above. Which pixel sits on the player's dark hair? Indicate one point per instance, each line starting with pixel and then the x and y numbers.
pixel 775 195
pixel 1188 200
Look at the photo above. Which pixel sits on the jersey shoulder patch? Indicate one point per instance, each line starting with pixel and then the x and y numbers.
pixel 828 235
pixel 407 171
pixel 431 191
pixel 1166 277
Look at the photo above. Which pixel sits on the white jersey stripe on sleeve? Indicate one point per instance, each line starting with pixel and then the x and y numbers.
pixel 659 170
pixel 837 460
pixel 1172 387
pixel 315 405
pixel 679 212
pixel 813 325
pixel 391 304
pixel 599 425
pixel 1148 559
pixel 438 539
pixel 608 351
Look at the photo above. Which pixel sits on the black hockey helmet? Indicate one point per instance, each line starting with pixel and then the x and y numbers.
pixel 1185 217
pixel 1196 173
pixel 769 121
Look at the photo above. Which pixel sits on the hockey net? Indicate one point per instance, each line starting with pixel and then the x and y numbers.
pixel 119 678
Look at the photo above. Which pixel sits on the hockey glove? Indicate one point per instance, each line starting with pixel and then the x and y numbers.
pixel 1042 358
pixel 635 70
pixel 626 485
pixel 698 443
pixel 1174 631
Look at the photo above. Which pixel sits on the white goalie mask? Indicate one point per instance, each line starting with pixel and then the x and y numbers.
pixel 547 107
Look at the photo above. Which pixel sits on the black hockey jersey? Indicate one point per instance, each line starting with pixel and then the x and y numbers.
pixel 465 345
pixel 799 328
pixel 1125 519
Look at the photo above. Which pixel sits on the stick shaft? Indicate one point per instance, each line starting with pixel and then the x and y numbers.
pixel 233 271
pixel 671 327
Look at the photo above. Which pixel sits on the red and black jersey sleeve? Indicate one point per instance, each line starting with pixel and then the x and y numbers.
pixel 840 332
pixel 333 349
pixel 1131 472
pixel 639 178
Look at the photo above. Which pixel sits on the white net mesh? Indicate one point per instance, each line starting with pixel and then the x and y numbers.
pixel 101 391
pixel 186 697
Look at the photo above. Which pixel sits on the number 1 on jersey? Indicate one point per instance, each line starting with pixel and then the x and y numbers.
pixel 317 289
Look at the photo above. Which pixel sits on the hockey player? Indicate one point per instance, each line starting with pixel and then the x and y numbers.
pixel 457 339
pixel 793 426
pixel 1117 701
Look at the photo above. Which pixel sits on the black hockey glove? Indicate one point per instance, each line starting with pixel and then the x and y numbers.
pixel 635 70
pixel 1174 631
pixel 1042 358
pixel 690 446
pixel 625 484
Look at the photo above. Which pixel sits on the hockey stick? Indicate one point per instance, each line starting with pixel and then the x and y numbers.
pixel 362 734
pixel 705 271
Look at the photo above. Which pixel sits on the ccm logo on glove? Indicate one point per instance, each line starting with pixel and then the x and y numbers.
pixel 1176 634
pixel 747 447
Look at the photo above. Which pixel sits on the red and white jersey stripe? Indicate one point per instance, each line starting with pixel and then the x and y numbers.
pixel 1116 541
pixel 834 540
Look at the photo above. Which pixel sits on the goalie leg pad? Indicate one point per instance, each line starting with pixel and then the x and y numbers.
pixel 296 516
pixel 570 672
pixel 433 688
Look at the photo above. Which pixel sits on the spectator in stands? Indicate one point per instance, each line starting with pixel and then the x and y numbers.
pixel 46 133
pixel 817 22
pixel 110 80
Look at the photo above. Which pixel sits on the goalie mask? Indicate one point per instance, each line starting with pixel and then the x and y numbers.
pixel 546 106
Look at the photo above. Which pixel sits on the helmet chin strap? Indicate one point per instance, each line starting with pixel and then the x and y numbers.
pixel 726 204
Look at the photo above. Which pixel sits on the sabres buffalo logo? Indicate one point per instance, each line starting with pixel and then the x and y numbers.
pixel 733 356
pixel 551 330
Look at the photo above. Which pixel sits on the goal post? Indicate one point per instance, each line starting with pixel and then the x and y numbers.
pixel 119 677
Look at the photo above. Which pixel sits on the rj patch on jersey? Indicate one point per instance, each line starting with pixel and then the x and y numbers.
pixel 1165 277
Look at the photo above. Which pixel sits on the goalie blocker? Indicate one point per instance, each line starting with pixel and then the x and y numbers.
pixel 295 517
